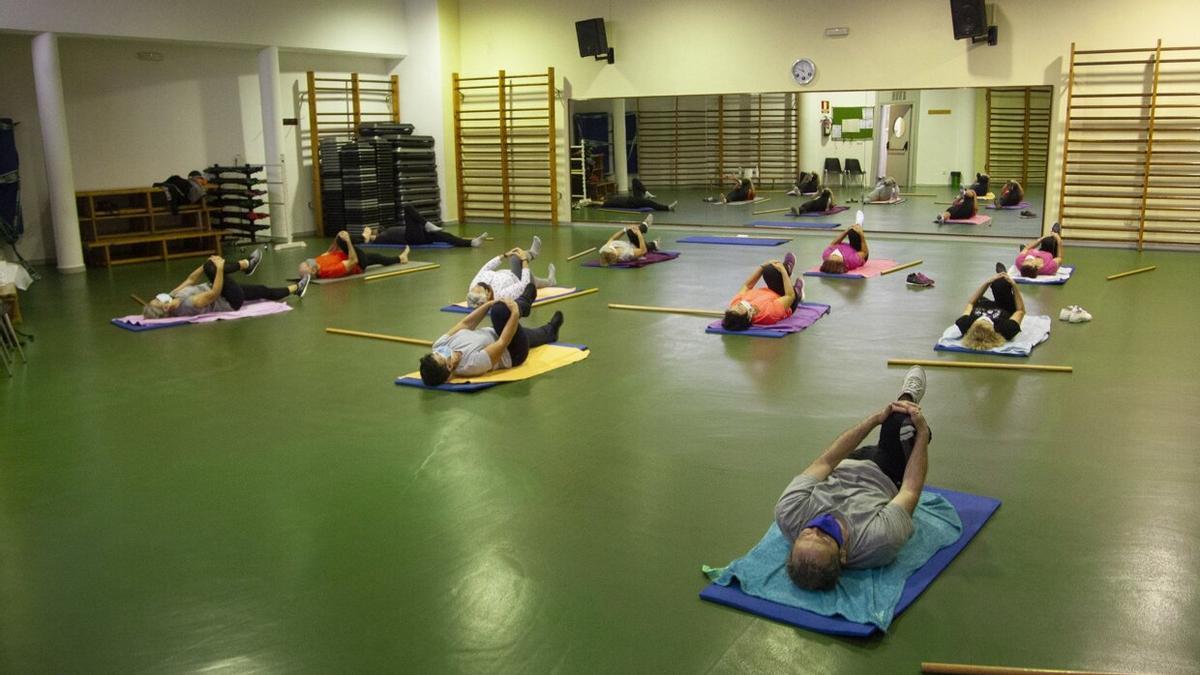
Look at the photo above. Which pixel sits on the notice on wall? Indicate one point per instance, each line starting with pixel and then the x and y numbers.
pixel 851 126
pixel 837 132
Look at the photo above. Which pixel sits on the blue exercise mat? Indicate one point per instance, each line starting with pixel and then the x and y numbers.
pixel 732 241
pixel 435 244
pixel 973 511
pixel 138 328
pixel 794 224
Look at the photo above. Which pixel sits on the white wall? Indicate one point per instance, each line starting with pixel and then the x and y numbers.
pixel 362 26
pixel 945 143
pixel 815 146
pixel 421 83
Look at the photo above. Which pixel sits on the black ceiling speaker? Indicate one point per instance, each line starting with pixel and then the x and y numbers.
pixel 593 41
pixel 970 18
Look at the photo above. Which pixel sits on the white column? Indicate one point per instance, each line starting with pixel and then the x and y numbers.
pixel 268 87
pixel 47 79
pixel 619 157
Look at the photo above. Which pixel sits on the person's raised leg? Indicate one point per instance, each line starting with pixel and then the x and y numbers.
pixel 527 297
pixel 518 347
pixel 773 279
pixel 514 265
pixel 257 292
pixel 366 259
pixel 1004 293
pixel 415 232
pixel 546 333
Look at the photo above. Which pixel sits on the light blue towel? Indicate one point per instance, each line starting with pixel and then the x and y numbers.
pixel 1034 331
pixel 864 596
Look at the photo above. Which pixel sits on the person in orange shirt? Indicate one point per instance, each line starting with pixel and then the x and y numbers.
pixel 344 258
pixel 766 305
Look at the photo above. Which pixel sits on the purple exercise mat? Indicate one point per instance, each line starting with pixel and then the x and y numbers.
pixel 648 259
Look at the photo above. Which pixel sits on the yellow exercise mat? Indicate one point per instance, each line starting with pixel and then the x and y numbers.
pixel 541 360
pixel 543 294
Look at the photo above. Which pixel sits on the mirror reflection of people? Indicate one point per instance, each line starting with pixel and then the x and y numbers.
pixel 743 191
pixel 819 204
pixel 963 208
pixel 981 184
pixel 1042 256
pixel 852 507
pixel 988 323
pixel 1010 195
pixel 638 198
pixel 628 244
pixel 885 190
pixel 756 305
pixel 209 289
pixel 806 184
pixel 848 251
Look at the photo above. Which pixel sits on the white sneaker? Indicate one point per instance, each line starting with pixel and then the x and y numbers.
pixel 859 218
pixel 794 192
pixel 649 220
pixel 431 228
pixel 650 195
pixel 672 205
pixel 914 384
pixel 1065 313
pixel 1079 315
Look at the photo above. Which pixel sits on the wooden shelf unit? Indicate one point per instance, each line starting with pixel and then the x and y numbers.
pixel 131 225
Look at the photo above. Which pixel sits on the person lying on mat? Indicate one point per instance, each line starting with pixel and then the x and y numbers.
pixel 494 283
pixel 344 258
pixel 638 198
pixel 819 204
pixel 194 296
pixel 841 257
pixel 964 207
pixel 416 231
pixel 1042 256
pixel 468 350
pixel 770 304
pixel 617 250
pixel 885 190
pixel 852 507
pixel 806 184
pixel 989 323
pixel 743 191
pixel 981 184
pixel 1010 195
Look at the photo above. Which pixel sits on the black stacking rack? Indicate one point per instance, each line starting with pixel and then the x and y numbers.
pixel 237 201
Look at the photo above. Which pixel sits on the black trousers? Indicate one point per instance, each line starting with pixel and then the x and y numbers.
pixel 633 201
pixel 774 281
pixel 817 204
pixel 893 450
pixel 237 295
pixel 1049 245
pixel 650 246
pixel 525 338
pixel 808 182
pixel 962 209
pixel 1004 299
pixel 1011 197
pixel 741 193
pixel 366 259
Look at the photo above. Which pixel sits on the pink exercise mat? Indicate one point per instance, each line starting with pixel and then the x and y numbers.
pixel 977 219
pixel 873 268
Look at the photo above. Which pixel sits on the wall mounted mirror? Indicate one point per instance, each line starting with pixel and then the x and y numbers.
pixel 685 149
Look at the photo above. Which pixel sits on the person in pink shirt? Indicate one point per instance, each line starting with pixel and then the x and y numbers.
pixel 1042 257
pixel 848 252
pixel 765 305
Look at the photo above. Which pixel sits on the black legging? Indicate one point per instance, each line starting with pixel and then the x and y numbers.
pixel 818 204
pixel 808 182
pixel 892 453
pixel 1001 307
pixel 650 246
pixel 237 295
pixel 741 193
pixel 633 201
pixel 962 208
pixel 1011 196
pixel 1049 245
pixel 774 281
pixel 856 241
pixel 525 338
pixel 366 259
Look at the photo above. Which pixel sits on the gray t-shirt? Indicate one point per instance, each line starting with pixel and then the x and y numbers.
pixel 472 343
pixel 188 307
pixel 859 494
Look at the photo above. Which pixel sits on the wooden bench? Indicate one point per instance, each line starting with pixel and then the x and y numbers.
pixel 139 225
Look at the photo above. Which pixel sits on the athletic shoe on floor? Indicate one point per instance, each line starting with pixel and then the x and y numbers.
pixel 1001 268
pixel 914 384
pixel 1028 214
pixel 255 259
pixel 302 285
pixel 918 279
pixel 1064 314
pixel 1079 315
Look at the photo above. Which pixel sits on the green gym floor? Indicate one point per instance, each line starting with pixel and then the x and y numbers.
pixel 912 216
pixel 258 496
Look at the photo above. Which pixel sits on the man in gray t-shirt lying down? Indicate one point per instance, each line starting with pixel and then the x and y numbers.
pixel 853 507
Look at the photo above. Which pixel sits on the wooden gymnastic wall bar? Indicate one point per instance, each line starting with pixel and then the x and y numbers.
pixel 506 146
pixel 1018 134
pixel 347 92
pixel 1131 151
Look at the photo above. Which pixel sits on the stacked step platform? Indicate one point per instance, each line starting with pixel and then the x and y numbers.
pixel 367 182
pixel 237 201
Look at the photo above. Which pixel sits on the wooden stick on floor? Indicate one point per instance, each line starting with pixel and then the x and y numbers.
pixel 380 336
pixel 968 669
pixel 576 294
pixel 759 213
pixel 138 300
pixel 978 364
pixel 386 275
pixel 581 253
pixel 905 266
pixel 1137 271
pixel 667 310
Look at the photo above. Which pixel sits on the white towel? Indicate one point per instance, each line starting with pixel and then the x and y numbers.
pixel 1034 331
pixel 1059 277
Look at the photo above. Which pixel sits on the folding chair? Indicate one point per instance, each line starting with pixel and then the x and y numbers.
pixel 832 166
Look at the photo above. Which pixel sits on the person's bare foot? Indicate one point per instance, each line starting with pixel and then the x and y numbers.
pixel 404 255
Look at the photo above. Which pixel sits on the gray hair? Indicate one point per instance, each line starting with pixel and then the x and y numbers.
pixel 152 311
pixel 476 296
